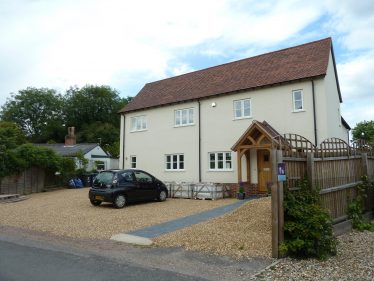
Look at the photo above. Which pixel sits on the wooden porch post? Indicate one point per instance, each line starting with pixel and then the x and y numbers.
pixel 239 164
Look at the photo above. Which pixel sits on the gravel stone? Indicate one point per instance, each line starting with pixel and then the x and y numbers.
pixel 68 212
pixel 353 262
pixel 244 233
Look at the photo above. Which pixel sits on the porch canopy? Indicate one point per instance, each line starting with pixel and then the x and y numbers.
pixel 260 136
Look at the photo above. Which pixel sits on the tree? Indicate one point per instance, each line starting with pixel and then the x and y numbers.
pixel 92 104
pixel 364 131
pixel 38 112
pixel 106 134
pixel 10 135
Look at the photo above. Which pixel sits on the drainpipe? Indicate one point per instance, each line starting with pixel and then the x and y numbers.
pixel 199 142
pixel 123 141
pixel 314 114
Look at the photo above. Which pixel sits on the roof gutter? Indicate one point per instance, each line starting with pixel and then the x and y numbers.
pixel 123 141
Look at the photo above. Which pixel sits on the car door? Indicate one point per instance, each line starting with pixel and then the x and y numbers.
pixel 128 184
pixel 146 185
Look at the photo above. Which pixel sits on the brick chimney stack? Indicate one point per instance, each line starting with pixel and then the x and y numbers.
pixel 70 139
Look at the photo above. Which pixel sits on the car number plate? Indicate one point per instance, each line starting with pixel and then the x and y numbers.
pixel 101 198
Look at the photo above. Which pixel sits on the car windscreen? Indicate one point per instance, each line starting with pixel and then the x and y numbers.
pixel 104 178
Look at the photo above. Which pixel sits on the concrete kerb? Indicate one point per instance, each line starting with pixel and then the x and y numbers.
pixel 143 236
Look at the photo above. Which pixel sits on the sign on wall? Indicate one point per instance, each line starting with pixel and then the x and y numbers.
pixel 281 172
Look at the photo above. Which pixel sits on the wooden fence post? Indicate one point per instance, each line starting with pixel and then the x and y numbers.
pixel 280 203
pixel 310 168
pixel 365 170
pixel 274 220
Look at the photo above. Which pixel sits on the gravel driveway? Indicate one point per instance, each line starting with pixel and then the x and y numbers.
pixel 68 212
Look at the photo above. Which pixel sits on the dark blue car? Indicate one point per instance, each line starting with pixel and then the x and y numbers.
pixel 122 186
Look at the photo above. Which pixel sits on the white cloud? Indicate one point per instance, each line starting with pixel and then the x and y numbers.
pixel 126 44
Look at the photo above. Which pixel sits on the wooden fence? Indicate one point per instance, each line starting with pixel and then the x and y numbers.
pixel 334 167
pixel 26 182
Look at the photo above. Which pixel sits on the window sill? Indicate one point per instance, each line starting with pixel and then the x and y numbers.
pixel 297 111
pixel 174 170
pixel 241 118
pixel 221 170
pixel 187 125
pixel 139 131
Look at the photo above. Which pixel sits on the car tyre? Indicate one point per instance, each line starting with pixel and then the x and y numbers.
pixel 119 201
pixel 162 195
pixel 95 202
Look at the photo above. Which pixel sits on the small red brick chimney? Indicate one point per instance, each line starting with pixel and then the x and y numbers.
pixel 70 139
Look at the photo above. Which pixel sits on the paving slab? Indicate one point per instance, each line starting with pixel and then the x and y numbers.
pixel 171 226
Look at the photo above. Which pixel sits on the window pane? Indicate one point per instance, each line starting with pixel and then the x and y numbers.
pixel 133 124
pixel 184 117
pixel 190 113
pixel 168 158
pixel 142 177
pixel 297 96
pixel 212 165
pixel 237 105
pixel 175 158
pixel 220 156
pixel 220 164
pixel 168 166
pixel 181 165
pixel 247 108
pixel 212 156
pixel 181 158
pixel 238 113
pixel 177 117
pixel 298 105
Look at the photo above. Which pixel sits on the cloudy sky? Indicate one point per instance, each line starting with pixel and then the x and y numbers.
pixel 125 44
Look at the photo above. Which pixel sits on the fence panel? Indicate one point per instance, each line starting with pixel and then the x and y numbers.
pixel 26 182
pixel 337 171
pixel 371 167
pixel 295 170
pixel 336 202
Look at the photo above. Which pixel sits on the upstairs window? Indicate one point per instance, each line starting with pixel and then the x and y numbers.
pixel 242 109
pixel 220 161
pixel 175 162
pixel 138 123
pixel 184 117
pixel 298 103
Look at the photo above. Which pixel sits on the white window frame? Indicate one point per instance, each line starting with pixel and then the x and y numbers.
pixel 138 123
pixel 189 114
pixel 242 109
pixel 133 161
pixel 224 160
pixel 294 100
pixel 169 159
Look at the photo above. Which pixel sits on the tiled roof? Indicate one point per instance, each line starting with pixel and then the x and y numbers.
pixel 295 63
pixel 63 150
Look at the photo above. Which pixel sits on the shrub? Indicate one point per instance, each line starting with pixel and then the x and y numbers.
pixel 308 227
pixel 356 207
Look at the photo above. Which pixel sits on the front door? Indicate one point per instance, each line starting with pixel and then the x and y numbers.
pixel 264 169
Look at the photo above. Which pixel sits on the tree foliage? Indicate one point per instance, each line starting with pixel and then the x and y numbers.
pixel 10 135
pixel 90 104
pixel 364 131
pixel 43 115
pixel 37 111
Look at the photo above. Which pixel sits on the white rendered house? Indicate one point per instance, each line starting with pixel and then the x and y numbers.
pixel 185 128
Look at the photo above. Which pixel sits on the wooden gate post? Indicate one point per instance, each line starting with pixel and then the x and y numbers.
pixel 274 221
pixel 280 203
pixel 365 170
pixel 310 168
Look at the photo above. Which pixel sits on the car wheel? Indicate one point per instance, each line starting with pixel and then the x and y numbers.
pixel 95 202
pixel 162 196
pixel 119 201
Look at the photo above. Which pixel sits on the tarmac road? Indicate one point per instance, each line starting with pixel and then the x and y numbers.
pixel 30 255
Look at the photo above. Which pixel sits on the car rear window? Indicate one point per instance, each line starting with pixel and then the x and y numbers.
pixel 104 178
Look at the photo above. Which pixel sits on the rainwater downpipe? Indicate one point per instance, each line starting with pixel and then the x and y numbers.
pixel 123 141
pixel 199 142
pixel 314 114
